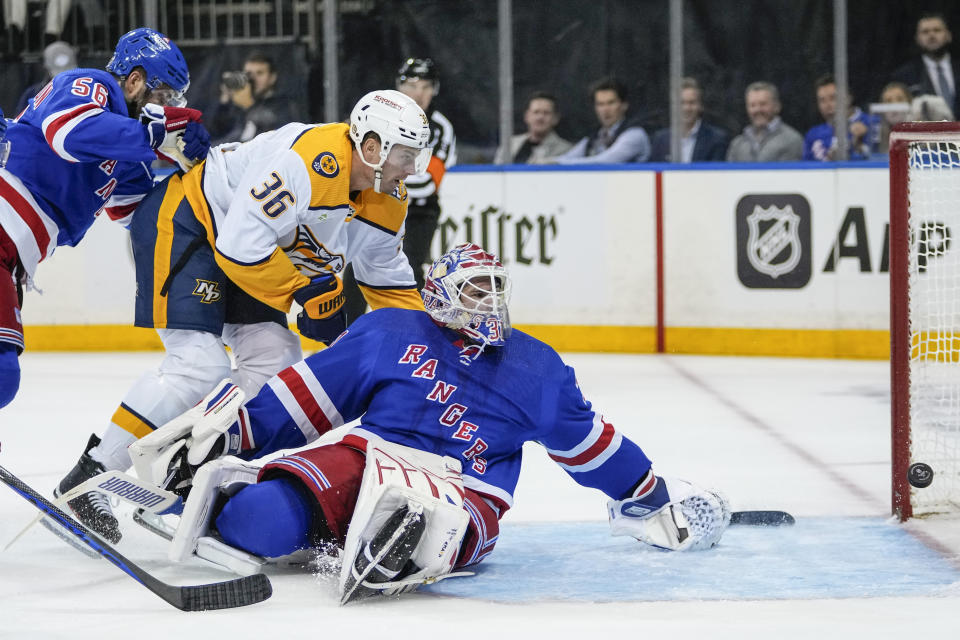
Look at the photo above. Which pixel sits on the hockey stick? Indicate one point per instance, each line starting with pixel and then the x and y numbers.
pixel 761 518
pixel 118 485
pixel 202 597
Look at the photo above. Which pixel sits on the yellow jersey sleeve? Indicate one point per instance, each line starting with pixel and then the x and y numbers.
pixel 272 281
pixel 399 298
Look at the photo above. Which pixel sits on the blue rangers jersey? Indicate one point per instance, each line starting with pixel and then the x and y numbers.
pixel 74 152
pixel 406 377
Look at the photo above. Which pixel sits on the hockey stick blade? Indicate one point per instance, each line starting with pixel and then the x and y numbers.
pixel 761 518
pixel 239 592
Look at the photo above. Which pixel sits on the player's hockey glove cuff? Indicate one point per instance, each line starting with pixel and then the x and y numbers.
pixel 175 134
pixel 322 318
pixel 326 330
pixel 322 298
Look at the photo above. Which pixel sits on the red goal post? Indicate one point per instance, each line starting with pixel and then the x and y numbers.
pixel 925 317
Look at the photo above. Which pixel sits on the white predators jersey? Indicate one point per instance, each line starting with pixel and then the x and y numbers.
pixel 280 212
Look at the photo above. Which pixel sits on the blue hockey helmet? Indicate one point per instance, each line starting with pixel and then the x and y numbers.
pixel 159 57
pixel 467 290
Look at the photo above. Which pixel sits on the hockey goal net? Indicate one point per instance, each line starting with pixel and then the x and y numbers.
pixel 925 317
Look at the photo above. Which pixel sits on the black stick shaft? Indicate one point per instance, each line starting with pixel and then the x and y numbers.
pixel 761 518
pixel 221 595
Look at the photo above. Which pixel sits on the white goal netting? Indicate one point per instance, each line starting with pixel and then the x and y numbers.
pixel 934 321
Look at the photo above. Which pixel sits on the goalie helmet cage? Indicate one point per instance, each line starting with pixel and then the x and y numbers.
pixel 925 316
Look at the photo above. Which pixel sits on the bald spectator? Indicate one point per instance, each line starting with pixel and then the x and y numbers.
pixel 701 141
pixel 541 142
pixel 767 138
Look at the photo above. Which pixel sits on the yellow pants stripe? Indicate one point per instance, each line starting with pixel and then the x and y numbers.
pixel 164 247
pixel 127 421
pixel 192 186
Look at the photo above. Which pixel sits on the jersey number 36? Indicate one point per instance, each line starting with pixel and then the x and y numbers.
pixel 275 203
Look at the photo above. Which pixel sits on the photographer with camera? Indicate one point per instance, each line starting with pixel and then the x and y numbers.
pixel 249 102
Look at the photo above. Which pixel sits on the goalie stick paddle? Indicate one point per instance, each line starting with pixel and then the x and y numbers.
pixel 761 518
pixel 239 592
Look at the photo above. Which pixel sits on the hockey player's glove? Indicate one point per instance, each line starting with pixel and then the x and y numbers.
pixel 322 318
pixel 676 516
pixel 214 427
pixel 176 134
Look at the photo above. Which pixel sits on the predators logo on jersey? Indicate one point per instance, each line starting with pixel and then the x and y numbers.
pixel 208 291
pixel 310 257
pixel 326 165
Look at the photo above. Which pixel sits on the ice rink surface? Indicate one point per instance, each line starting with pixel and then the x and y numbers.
pixel 807 436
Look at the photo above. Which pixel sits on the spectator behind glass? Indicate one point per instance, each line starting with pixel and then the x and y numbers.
pixel 897 105
pixel 820 143
pixel 701 142
pixel 57 56
pixel 617 139
pixel 933 71
pixel 250 103
pixel 540 143
pixel 767 138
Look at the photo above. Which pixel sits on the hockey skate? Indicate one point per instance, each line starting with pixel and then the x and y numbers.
pixel 385 558
pixel 92 508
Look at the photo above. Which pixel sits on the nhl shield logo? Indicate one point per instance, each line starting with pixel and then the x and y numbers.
pixel 773 241
pixel 776 249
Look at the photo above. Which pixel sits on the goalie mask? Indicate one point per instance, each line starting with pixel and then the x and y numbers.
pixel 401 126
pixel 467 290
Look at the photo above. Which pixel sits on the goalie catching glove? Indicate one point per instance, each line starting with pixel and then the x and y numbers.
pixel 176 134
pixel 322 318
pixel 217 426
pixel 675 515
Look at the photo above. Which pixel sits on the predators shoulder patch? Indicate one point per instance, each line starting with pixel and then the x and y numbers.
pixel 400 193
pixel 326 165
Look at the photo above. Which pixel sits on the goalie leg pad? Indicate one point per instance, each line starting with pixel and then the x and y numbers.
pixel 270 519
pixel 386 554
pixel 227 475
pixel 398 478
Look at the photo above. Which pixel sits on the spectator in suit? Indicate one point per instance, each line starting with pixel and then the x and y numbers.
pixel 767 138
pixel 617 139
pixel 540 142
pixel 820 143
pixel 934 71
pixel 701 142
